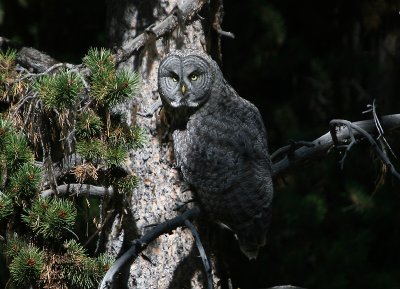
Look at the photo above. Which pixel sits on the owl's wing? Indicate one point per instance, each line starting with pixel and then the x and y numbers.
pixel 231 169
pixel 228 162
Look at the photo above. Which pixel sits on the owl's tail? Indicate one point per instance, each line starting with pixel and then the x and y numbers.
pixel 254 236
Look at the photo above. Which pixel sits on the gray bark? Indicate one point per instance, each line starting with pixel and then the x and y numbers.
pixel 170 261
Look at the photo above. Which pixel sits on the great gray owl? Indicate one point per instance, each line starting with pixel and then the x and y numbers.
pixel 220 145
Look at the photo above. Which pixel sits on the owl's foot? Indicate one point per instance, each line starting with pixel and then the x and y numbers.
pixel 180 205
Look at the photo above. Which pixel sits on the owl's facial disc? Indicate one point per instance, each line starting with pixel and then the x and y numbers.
pixel 185 81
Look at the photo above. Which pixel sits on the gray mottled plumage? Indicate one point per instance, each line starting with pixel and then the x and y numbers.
pixel 220 144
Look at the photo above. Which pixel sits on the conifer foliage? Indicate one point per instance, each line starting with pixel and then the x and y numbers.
pixel 60 119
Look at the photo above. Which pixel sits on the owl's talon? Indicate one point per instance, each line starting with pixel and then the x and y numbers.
pixel 150 225
pixel 179 205
pixel 185 188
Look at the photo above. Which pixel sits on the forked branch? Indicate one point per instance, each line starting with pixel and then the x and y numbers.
pixel 352 129
pixel 184 12
pixel 140 244
pixel 341 135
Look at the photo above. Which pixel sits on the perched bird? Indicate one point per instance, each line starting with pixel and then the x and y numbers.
pixel 220 145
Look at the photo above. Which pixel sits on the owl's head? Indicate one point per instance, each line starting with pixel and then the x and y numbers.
pixel 185 78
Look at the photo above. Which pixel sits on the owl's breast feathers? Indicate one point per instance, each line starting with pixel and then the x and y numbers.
pixel 223 155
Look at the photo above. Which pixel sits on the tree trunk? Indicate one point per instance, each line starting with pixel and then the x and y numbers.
pixel 171 261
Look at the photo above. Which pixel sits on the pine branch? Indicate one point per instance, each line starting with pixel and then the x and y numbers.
pixel 322 144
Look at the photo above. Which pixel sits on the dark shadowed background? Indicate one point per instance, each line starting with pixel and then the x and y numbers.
pixel 302 63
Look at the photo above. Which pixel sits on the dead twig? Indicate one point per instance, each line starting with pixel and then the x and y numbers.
pixel 379 128
pixel 138 245
pixel 184 12
pixel 351 127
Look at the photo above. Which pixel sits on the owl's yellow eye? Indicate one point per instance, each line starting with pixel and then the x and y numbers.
pixel 174 78
pixel 193 76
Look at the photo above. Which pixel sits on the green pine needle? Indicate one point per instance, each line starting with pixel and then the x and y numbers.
pixel 27 265
pixel 116 155
pixel 88 125
pixel 104 262
pixel 99 88
pixel 90 149
pixel 74 249
pixel 80 270
pixel 6 128
pixel 60 90
pixel 9 87
pixel 6 206
pixel 114 88
pixel 108 86
pixel 127 184
pixel 7 59
pixel 25 181
pixel 13 246
pixel 123 87
pixel 16 151
pixel 35 215
pixel 52 219
pixel 136 138
pixel 99 61
pixel 131 137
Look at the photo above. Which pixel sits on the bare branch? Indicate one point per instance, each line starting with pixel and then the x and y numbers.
pixel 184 12
pixel 325 142
pixel 380 128
pixel 336 141
pixel 79 189
pixel 139 245
pixel 355 128
pixel 47 71
pixel 225 33
pixel 289 149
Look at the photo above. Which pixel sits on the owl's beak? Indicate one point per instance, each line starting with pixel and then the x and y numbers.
pixel 183 89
